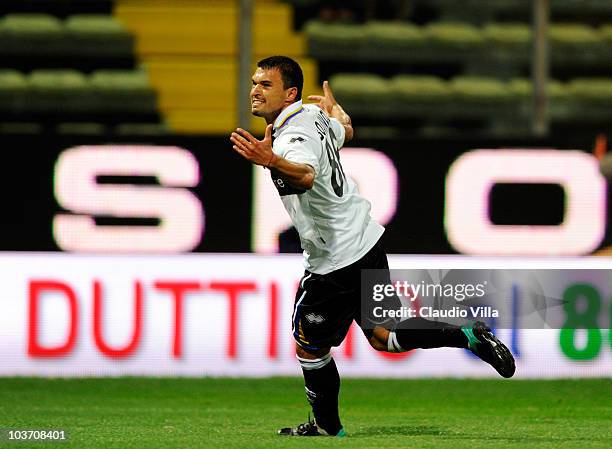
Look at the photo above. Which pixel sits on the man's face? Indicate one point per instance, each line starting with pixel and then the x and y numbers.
pixel 268 95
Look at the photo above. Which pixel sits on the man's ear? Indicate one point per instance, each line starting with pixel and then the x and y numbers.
pixel 292 94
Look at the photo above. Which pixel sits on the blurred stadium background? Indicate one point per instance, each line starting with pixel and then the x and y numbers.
pixel 136 243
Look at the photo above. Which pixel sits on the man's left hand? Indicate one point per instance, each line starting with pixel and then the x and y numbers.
pixel 258 152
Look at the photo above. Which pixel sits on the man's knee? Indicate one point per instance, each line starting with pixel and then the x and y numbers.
pixel 309 353
pixel 378 339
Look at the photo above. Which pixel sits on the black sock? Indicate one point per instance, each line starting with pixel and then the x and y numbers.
pixel 322 383
pixel 421 333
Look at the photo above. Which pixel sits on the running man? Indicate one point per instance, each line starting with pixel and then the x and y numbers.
pixel 339 238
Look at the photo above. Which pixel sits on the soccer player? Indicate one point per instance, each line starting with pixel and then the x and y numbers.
pixel 338 236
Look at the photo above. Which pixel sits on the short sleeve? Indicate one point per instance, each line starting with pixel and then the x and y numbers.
pixel 338 130
pixel 300 148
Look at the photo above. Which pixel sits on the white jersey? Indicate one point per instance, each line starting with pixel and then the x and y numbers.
pixel 332 219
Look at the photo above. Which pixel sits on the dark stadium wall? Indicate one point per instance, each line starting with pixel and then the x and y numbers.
pixel 225 190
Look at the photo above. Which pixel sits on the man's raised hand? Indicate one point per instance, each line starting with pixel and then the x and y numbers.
pixel 327 101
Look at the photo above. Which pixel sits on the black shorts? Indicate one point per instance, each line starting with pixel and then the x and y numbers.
pixel 326 304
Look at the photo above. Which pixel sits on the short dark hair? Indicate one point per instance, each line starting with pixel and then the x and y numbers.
pixel 290 71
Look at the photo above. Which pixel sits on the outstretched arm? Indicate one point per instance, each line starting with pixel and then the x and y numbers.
pixel 259 152
pixel 328 103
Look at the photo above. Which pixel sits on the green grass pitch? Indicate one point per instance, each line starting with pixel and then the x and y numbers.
pixel 245 413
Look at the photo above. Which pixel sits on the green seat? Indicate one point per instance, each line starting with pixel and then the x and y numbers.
pixel 421 89
pixel 59 92
pixel 523 88
pixel 421 97
pixel 11 79
pixel 335 41
pixel 13 88
pixel 577 44
pixel 507 35
pixel 592 90
pixel 32 24
pixel 473 89
pixel 360 86
pixel 363 94
pixel 37 34
pixel 573 35
pixel 395 35
pixel 559 107
pixel 605 32
pixel 123 91
pixel 95 25
pixel 393 41
pixel 508 49
pixel 590 99
pixel 97 36
pixel 454 36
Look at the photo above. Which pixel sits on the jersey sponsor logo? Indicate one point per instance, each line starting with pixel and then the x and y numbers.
pixel 297 139
pixel 283 187
pixel 313 318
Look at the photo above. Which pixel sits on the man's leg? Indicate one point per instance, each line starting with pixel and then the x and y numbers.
pixel 424 334
pixel 322 384
pixel 322 315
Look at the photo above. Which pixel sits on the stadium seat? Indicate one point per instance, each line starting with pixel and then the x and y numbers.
pixel 523 89
pixel 389 36
pixel 98 36
pixel 586 103
pixel 594 91
pixel 13 87
pixel 515 36
pixel 482 98
pixel 329 41
pixel 577 44
pixel 31 24
pixel 363 93
pixel 58 92
pixel 454 36
pixel 559 106
pixel 480 90
pixel 33 34
pixel 507 50
pixel 605 32
pixel 127 93
pixel 420 97
pixel 83 42
pixel 420 89
pixel 573 35
pixel 432 98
